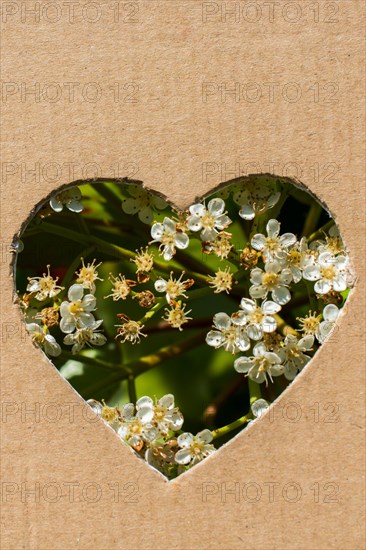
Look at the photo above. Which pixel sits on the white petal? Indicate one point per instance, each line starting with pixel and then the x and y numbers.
pixel 130 206
pixel 247 305
pixel 272 267
pixel 311 273
pixel 273 199
pixel 67 324
pixel 194 223
pixel 306 342
pixel 273 228
pixel 281 295
pixel 169 225
pixel 259 350
pixel 197 209
pixel 246 212
pixel 243 364
pixel 75 206
pixel 86 320
pixel 326 259
pixel 56 205
pixel 160 285
pixel 339 282
pixel 322 287
pixel 216 207
pixel 222 221
pixel 167 401
pixel 256 276
pixel 157 230
pixel 159 202
pixel 64 309
pixel 98 339
pixel 146 215
pixel 215 338
pixel 209 234
pixel 145 414
pixel 242 342
pixel 341 261
pixel 144 402
pixel 75 293
pixel 205 436
pixel 89 302
pixel 183 456
pixel 128 410
pixel 181 240
pixel 269 324
pixel 258 291
pixel 222 321
pixel 330 312
pixel 259 407
pixel 239 318
pixel 287 239
pixel 285 277
pixel 185 440
pixel 258 241
pixel 296 274
pixel 255 332
pixel 169 252
pixel 270 307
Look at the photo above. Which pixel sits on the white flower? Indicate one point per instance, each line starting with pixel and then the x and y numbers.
pixel 172 287
pixel 256 319
pixel 166 233
pixel 177 316
pixel 209 221
pixel 164 415
pixel 297 258
pixel 136 428
pixel 44 286
pixel 329 272
pixel 261 364
pixel 43 340
pixel 292 354
pixel 274 279
pixel 330 315
pixel 90 336
pixel 273 246
pixel 230 336
pixel 142 202
pixel 256 197
pixel 193 449
pixel 87 275
pixel 332 244
pixel 70 198
pixel 259 407
pixel 76 312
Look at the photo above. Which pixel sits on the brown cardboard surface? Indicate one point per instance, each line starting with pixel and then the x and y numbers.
pixel 142 89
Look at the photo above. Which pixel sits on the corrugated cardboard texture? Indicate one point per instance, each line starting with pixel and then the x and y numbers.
pixel 184 95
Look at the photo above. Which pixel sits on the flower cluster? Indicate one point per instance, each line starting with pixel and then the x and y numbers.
pixel 152 427
pixel 223 271
pixel 272 349
pixel 73 316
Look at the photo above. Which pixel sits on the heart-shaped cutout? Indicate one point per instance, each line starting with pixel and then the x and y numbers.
pixel 153 314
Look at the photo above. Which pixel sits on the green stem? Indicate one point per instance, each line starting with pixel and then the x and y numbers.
pixel 160 302
pixel 283 327
pixel 230 427
pixel 67 355
pixel 131 385
pixel 254 391
pixel 319 233
pixel 312 219
pixel 148 362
